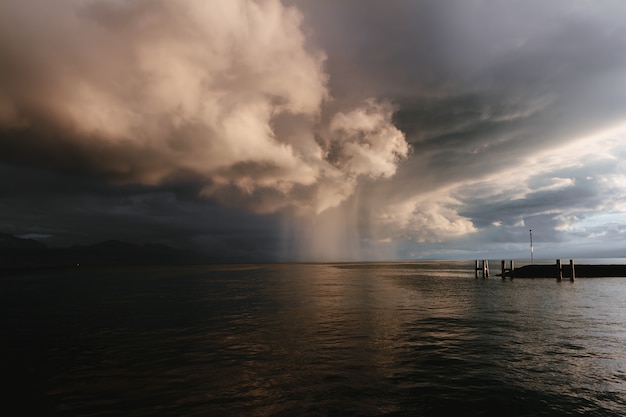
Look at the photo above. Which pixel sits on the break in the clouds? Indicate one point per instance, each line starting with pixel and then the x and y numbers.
pixel 325 130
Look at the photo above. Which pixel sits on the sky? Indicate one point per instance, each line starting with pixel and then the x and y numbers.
pixel 301 130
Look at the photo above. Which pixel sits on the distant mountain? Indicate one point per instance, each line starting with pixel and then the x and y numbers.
pixel 20 253
pixel 8 241
pixel 125 247
pixel 112 246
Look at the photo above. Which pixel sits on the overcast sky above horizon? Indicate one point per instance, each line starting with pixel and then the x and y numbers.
pixel 317 130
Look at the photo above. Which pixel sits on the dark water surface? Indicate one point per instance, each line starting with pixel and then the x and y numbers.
pixel 423 339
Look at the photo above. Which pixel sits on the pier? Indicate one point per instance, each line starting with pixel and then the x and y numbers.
pixel 558 270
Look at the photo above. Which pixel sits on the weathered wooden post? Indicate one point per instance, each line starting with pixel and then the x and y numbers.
pixel 559 271
pixel 571 265
pixel 503 268
pixel 512 265
pixel 485 268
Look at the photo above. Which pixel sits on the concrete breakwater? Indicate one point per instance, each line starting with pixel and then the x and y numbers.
pixel 581 271
pixel 557 270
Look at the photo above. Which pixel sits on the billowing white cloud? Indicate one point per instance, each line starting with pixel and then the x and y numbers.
pixel 431 217
pixel 228 91
pixel 513 123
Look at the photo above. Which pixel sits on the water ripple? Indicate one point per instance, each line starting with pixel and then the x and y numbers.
pixel 315 340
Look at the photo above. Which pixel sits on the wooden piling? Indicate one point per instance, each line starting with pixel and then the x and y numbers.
pixel 571 265
pixel 507 271
pixel 559 270
pixel 484 268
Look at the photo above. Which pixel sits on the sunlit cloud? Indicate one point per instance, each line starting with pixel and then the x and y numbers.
pixel 341 130
pixel 230 93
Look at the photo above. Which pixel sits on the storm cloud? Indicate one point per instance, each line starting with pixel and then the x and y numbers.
pixel 147 92
pixel 322 130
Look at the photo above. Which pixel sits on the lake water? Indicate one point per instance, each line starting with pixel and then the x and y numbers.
pixel 422 339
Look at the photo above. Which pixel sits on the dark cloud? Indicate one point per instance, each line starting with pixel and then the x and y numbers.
pixel 172 119
pixel 65 210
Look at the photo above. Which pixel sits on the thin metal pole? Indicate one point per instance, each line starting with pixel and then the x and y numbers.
pixel 532 260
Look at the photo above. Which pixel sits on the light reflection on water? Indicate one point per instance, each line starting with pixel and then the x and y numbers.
pixel 295 339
